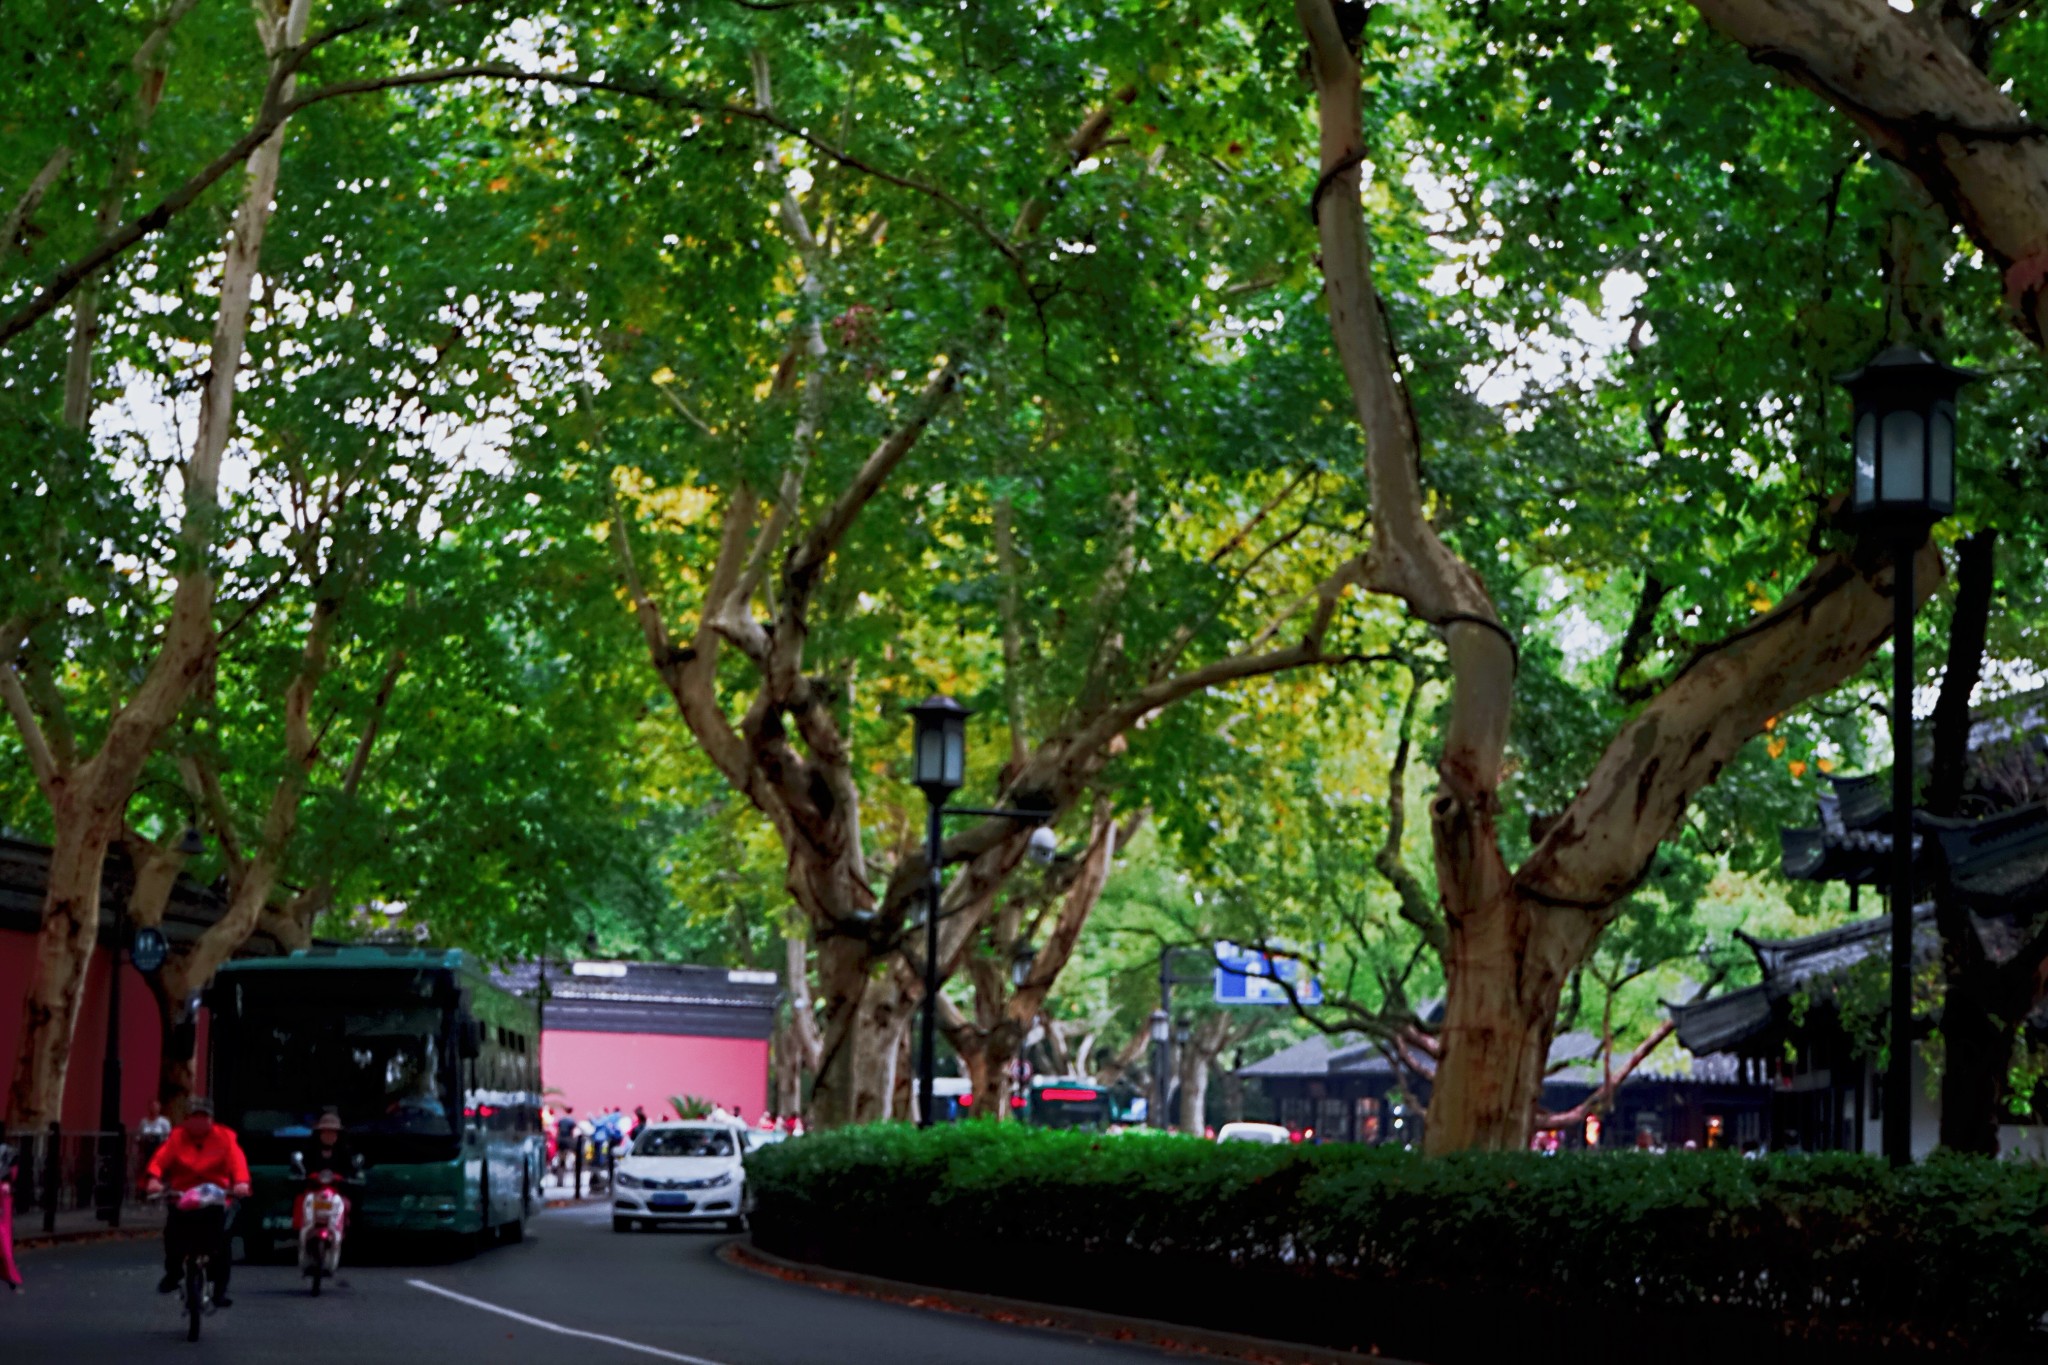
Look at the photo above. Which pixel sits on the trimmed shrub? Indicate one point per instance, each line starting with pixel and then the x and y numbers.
pixel 1690 1255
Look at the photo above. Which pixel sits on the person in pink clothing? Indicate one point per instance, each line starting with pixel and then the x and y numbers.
pixel 8 1270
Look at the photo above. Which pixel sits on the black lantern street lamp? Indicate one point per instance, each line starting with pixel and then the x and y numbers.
pixel 939 746
pixel 938 751
pixel 1904 443
pixel 1162 1036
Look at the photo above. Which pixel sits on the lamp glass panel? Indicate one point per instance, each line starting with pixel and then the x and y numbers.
pixel 1902 472
pixel 1866 460
pixel 956 752
pixel 931 758
pixel 1941 455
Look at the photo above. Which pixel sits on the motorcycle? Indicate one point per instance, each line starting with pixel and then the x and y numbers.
pixel 322 1218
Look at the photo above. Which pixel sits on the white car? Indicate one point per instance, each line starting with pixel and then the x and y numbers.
pixel 681 1173
pixel 1272 1134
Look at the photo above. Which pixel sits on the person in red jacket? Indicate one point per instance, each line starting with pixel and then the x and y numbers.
pixel 199 1152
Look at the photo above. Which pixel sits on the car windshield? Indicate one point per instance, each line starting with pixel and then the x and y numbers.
pixel 684 1142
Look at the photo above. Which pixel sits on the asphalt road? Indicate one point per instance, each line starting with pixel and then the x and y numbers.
pixel 573 1292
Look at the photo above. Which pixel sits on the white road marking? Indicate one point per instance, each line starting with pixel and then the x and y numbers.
pixel 557 1328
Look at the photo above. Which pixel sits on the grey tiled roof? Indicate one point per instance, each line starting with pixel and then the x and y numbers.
pixel 1789 965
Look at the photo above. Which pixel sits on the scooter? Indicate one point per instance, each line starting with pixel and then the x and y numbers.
pixel 323 1216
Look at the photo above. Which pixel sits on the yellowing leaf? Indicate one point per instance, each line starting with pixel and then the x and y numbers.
pixel 664 375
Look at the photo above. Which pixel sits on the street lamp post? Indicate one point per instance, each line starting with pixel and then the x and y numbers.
pixel 1904 443
pixel 939 767
pixel 113 1137
pixel 1181 1034
pixel 1162 1024
pixel 1022 958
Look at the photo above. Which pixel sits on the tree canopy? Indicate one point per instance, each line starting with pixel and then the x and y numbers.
pixel 508 465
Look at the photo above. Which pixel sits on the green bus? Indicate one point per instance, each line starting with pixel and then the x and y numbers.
pixel 434 1067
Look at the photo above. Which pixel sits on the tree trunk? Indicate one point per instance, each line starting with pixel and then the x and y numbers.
pixel 1977 1050
pixel 981 1084
pixel 1502 983
pixel 1977 1039
pixel 87 803
pixel 177 1054
pixel 1233 1096
pixel 64 944
pixel 843 971
pixel 897 1087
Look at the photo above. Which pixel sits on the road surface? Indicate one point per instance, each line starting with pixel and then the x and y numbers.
pixel 573 1292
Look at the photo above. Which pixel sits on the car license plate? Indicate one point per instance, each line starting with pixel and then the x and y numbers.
pixel 677 1202
pixel 277 1220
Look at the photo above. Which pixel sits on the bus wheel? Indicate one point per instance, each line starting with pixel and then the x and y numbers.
pixel 514 1232
pixel 486 1231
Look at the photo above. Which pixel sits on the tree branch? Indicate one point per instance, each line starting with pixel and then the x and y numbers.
pixel 40 760
pixel 1416 906
pixel 1819 635
pixel 1975 558
pixel 23 213
pixel 1635 641
pixel 1926 105
pixel 1408 559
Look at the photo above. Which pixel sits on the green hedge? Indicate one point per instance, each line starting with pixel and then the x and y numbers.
pixel 1689 1255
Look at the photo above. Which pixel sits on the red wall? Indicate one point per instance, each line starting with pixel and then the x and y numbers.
pixel 140 1033
pixel 595 1071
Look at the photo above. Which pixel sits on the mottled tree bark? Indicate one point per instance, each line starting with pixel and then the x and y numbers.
pixel 1513 937
pixel 1924 101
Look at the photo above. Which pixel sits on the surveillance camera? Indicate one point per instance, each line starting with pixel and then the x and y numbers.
pixel 1042 845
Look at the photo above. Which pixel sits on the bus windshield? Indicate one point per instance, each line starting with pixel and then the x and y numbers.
pixel 380 1056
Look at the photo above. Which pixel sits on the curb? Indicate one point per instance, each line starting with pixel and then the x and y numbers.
pixel 35 1240
pixel 1088 1322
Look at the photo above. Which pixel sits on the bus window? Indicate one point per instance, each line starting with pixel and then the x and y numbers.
pixel 383 1065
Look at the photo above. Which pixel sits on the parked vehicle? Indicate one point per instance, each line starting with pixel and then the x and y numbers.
pixel 1271 1134
pixel 690 1173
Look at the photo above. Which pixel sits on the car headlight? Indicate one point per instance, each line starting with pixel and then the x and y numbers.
pixel 712 1182
pixel 630 1182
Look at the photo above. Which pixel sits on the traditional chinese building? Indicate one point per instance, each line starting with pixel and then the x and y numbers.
pixel 627 1034
pixel 1348 1089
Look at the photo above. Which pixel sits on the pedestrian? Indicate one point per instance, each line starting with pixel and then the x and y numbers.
pixel 565 1138
pixel 639 1120
pixel 8 1271
pixel 154 1130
